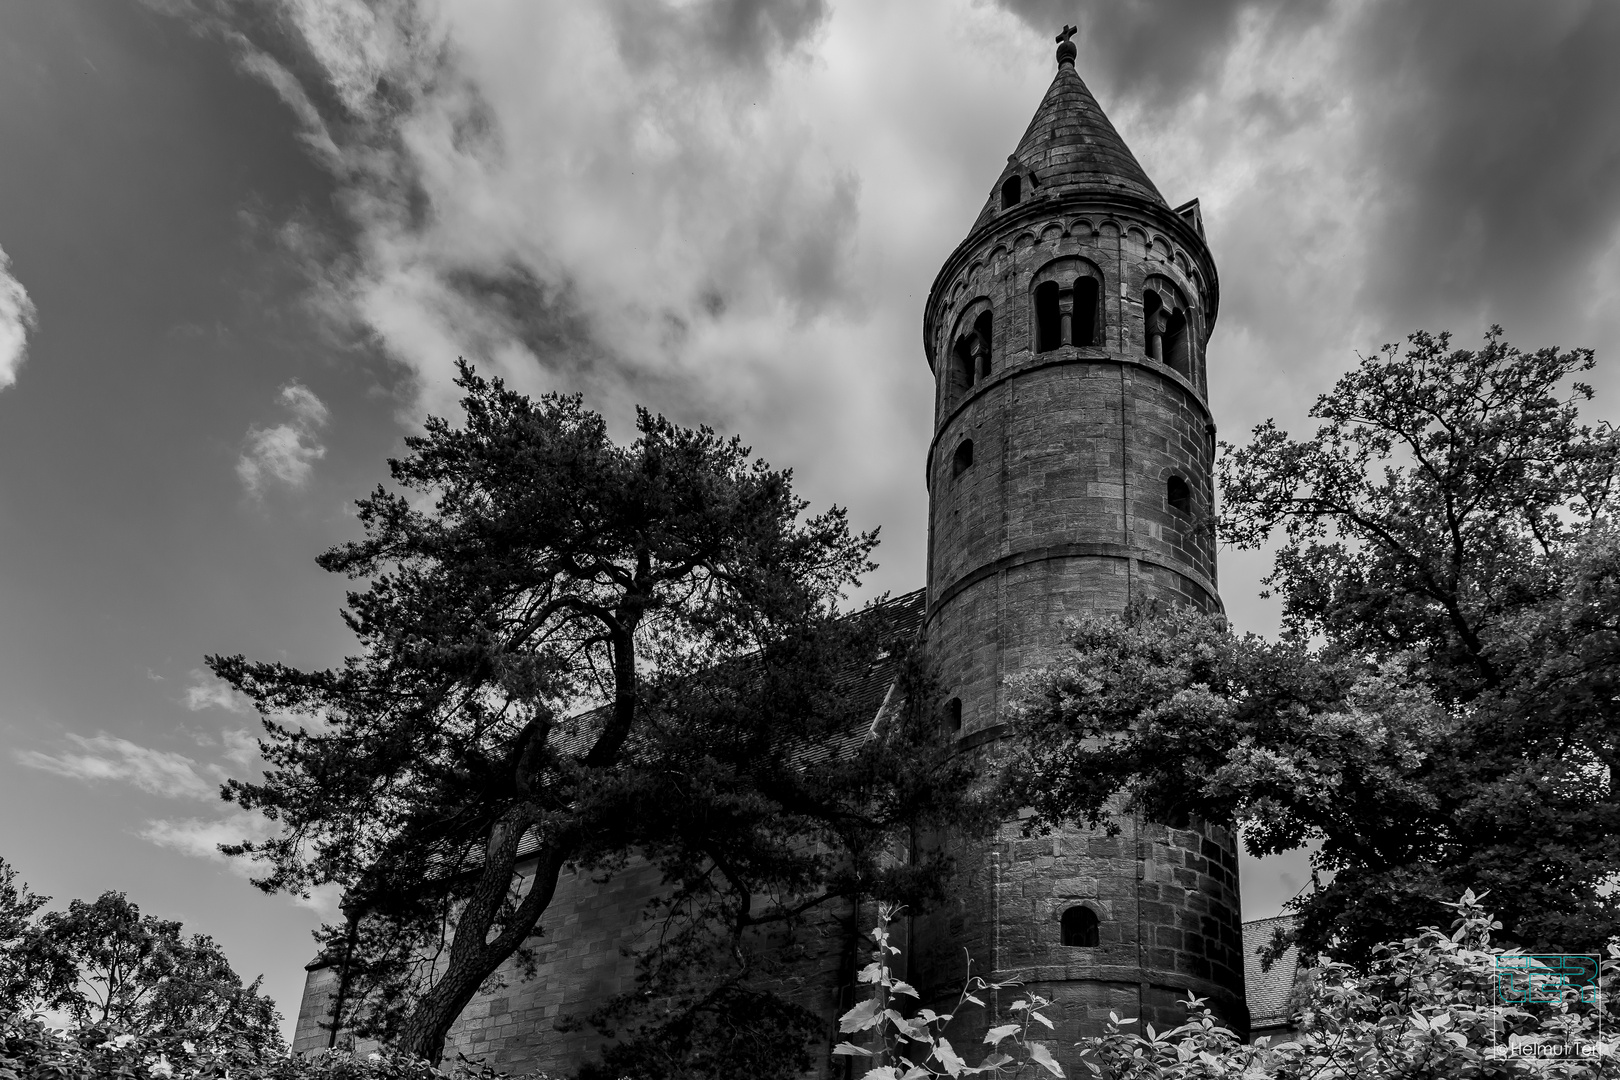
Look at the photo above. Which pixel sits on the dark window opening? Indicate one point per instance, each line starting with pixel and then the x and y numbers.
pixel 1153 325
pixel 953 715
pixel 962 364
pixel 1011 191
pixel 1087 295
pixel 1048 319
pixel 1080 928
pixel 981 331
pixel 1176 816
pixel 1176 352
pixel 1179 495
pixel 963 458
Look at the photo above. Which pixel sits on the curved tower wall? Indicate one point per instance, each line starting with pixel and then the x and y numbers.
pixel 1066 503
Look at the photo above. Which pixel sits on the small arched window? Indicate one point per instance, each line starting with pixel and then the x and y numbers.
pixel 1048 317
pixel 1153 325
pixel 1178 495
pixel 1080 928
pixel 1176 353
pixel 962 460
pixel 953 715
pixel 1012 190
pixel 981 330
pixel 1087 297
pixel 963 365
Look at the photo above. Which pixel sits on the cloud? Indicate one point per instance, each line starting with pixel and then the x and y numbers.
pixel 201 837
pixel 732 210
pixel 286 453
pixel 17 317
pixel 208 693
pixel 107 757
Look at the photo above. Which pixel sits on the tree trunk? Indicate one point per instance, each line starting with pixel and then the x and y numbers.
pixel 473 957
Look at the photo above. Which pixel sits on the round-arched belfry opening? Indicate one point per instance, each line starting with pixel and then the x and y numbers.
pixel 1089 486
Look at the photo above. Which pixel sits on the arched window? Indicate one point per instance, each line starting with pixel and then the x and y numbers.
pixel 962 460
pixel 981 331
pixel 1176 353
pixel 1087 307
pixel 953 715
pixel 1153 325
pixel 1178 495
pixel 963 364
pixel 1080 928
pixel 1048 317
pixel 1012 189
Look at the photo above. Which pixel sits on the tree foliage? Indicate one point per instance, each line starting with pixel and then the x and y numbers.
pixel 1430 1005
pixel 1441 712
pixel 575 654
pixel 104 965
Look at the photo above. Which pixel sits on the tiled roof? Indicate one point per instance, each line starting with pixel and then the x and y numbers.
pixel 1269 992
pixel 1071 145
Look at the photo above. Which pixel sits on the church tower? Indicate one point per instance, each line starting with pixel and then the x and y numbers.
pixel 1070 470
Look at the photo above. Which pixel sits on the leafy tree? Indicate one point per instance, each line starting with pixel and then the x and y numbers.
pixel 106 966
pixel 111 967
pixel 574 653
pixel 1440 713
pixel 18 972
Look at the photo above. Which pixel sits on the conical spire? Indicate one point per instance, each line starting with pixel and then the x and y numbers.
pixel 1071 145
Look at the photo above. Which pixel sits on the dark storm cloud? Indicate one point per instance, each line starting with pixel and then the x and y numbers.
pixel 1156 51
pixel 1486 134
pixel 1496 133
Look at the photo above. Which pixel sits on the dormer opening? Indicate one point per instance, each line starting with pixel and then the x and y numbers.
pixel 1012 192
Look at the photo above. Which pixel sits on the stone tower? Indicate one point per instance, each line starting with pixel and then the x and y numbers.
pixel 1071 469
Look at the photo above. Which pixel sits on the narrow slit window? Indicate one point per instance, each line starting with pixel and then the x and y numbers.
pixel 962 364
pixel 1086 307
pixel 981 330
pixel 1176 352
pixel 1080 928
pixel 1048 319
pixel 962 460
pixel 1179 495
pixel 953 715
pixel 1153 325
pixel 1012 190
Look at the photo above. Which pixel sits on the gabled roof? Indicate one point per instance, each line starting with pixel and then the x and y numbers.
pixel 1071 146
pixel 1270 992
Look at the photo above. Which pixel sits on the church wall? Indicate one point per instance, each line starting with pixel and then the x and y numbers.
pixel 585 958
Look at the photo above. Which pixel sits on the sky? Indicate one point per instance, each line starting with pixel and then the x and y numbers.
pixel 243 244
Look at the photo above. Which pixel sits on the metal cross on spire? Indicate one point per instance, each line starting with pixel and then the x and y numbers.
pixel 1067 33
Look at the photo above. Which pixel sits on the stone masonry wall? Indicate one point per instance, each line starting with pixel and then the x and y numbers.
pixel 1066 508
pixel 584 958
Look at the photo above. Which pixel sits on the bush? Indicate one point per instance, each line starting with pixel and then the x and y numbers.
pixel 1428 1006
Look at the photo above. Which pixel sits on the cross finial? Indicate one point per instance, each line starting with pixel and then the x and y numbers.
pixel 1066 49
